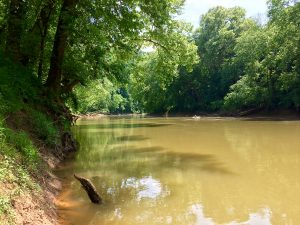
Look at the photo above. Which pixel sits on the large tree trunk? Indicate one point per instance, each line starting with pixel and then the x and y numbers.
pixel 14 31
pixel 53 82
pixel 43 24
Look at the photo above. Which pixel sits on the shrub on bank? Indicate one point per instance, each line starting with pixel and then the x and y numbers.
pixel 17 144
pixel 44 128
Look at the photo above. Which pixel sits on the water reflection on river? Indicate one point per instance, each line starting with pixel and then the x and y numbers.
pixel 185 171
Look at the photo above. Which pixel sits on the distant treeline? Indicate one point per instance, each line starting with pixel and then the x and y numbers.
pixel 243 64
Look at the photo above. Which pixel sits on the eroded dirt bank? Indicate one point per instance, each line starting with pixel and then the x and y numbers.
pixel 28 190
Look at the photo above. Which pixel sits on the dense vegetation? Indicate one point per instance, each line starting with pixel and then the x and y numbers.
pixel 68 43
pixel 244 65
pixel 48 49
pixel 91 56
pixel 58 57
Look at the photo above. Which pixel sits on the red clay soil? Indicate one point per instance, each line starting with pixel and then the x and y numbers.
pixel 38 208
pixel 31 209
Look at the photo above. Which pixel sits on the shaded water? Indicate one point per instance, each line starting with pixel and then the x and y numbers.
pixel 185 171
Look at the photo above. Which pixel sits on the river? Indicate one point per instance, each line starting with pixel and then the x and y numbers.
pixel 184 171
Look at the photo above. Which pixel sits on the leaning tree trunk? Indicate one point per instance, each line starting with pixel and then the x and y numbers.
pixel 14 31
pixel 53 82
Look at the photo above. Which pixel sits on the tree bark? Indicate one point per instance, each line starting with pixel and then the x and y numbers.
pixel 68 87
pixel 90 189
pixel 14 28
pixel 54 78
pixel 43 24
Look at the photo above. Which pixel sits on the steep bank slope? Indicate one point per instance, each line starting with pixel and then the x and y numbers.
pixel 33 139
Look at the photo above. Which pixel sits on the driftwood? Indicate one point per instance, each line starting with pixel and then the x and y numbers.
pixel 90 189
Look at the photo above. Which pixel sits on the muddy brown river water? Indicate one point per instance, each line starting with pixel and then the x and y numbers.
pixel 184 171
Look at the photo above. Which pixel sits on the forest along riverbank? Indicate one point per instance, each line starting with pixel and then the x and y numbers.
pixel 278 114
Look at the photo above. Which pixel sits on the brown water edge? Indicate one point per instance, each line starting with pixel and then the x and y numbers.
pixel 185 171
pixel 269 115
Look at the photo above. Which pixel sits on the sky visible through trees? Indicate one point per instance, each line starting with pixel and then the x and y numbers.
pixel 90 56
pixel 193 9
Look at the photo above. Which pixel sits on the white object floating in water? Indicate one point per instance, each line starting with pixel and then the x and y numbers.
pixel 196 117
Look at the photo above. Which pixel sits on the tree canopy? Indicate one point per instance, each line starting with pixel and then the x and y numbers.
pixel 243 65
pixel 71 42
pixel 92 55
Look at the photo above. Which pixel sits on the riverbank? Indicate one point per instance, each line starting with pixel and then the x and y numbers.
pixel 100 115
pixel 27 198
pixel 32 143
pixel 247 115
pixel 34 138
pixel 27 185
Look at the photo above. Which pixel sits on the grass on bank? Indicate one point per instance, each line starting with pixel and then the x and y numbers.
pixel 21 105
pixel 18 159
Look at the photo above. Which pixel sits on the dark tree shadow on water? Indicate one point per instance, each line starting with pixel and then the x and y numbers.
pixel 122 125
pixel 130 138
pixel 135 161
pixel 109 152
pixel 110 166
pixel 202 162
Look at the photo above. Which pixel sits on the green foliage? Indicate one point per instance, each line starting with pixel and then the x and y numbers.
pixel 101 96
pixel 105 36
pixel 204 88
pixel 242 65
pixel 14 143
pixel 17 87
pixel 216 39
pixel 44 127
pixel 102 49
pixel 245 93
pixel 271 58
pixel 276 7
pixel 3 17
pixel 6 211
pixel 18 158
pixel 3 13
pixel 154 72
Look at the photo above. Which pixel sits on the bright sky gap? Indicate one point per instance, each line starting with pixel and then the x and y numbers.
pixel 193 9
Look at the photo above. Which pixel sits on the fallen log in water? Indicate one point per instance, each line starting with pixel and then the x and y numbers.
pixel 90 189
